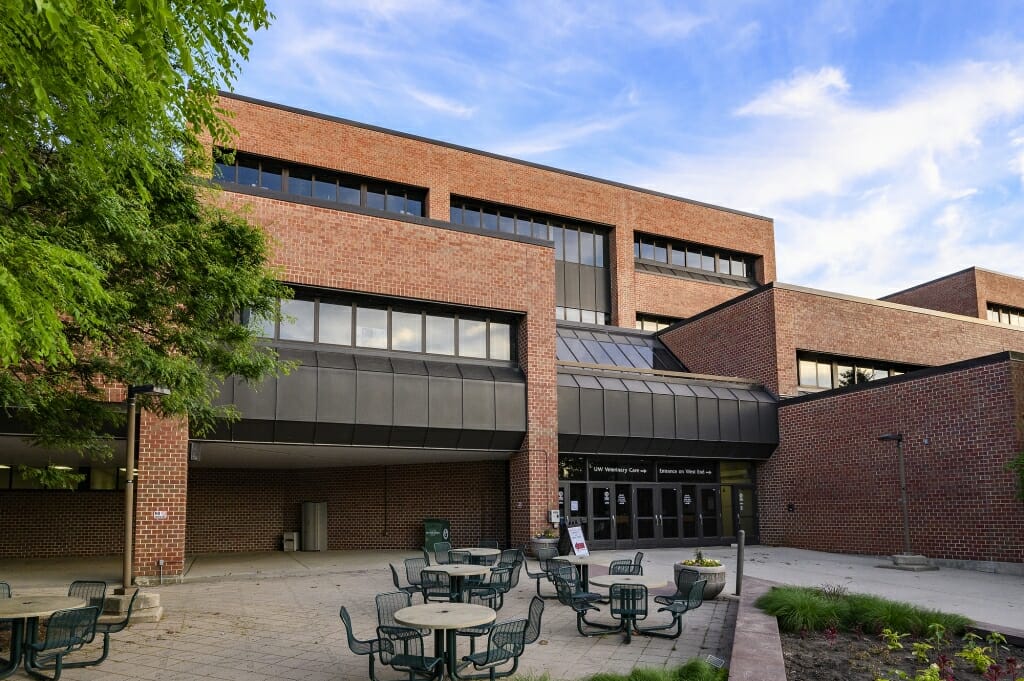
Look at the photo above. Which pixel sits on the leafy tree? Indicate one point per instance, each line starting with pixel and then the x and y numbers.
pixel 112 268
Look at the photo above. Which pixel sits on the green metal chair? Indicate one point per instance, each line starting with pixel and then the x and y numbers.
pixel 107 628
pixel 409 588
pixel 677 608
pixel 92 592
pixel 628 604
pixel 66 632
pixel 488 544
pixel 533 619
pixel 414 572
pixel 624 567
pixel 494 590
pixel 5 590
pixel 505 642
pixel 685 577
pixel 368 647
pixel 638 559
pixel 401 648
pixel 582 602
pixel 390 603
pixel 441 550
pixel 544 554
pixel 437 586
pixel 460 557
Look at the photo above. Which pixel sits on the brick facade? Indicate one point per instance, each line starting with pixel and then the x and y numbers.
pixel 380 507
pixel 161 489
pixel 736 338
pixel 669 296
pixel 56 523
pixel 967 292
pixel 962 425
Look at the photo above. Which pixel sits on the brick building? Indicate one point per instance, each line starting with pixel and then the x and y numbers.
pixel 486 340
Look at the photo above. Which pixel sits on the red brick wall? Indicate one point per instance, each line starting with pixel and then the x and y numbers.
pixel 55 523
pixel 162 485
pixel 367 507
pixel 758 338
pixel 737 340
pixel 445 171
pixel 677 297
pixel 959 430
pixel 956 294
pixel 998 288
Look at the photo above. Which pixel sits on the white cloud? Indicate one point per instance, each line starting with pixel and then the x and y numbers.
pixel 548 138
pixel 805 94
pixel 441 104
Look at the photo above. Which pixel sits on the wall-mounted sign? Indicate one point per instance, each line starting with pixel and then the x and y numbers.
pixel 687 500
pixel 159 515
pixel 687 470
pixel 620 469
pixel 622 500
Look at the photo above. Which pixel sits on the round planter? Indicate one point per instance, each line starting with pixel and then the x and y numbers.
pixel 538 542
pixel 714 575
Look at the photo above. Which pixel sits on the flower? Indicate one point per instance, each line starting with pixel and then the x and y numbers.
pixel 549 533
pixel 699 560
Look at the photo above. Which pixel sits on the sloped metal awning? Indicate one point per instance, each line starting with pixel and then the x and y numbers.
pixel 638 413
pixel 339 398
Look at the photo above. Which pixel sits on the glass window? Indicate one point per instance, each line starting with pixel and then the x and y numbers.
pixel 248 172
pixel 723 265
pixel 588 316
pixel 739 268
pixel 261 326
pixel 693 258
pixel 993 316
pixel 349 192
pixel 572 314
pixel 660 251
pixel 572 244
pixel 440 335
pixel 845 374
pixel 455 216
pixel 406 331
pixel 326 189
pixel 501 341
pixel 471 216
pixel 523 226
pixel 297 320
pixel 824 375
pixel 559 312
pixel 300 182
pixel 20 482
pixel 556 236
pixel 646 249
pixel 678 257
pixel 808 372
pixel 472 338
pixel 878 374
pixel 5 476
pixel 490 219
pixel 598 249
pixel 371 327
pixel 586 248
pixel 507 223
pixel 335 324
pixel 540 230
pixel 224 172
pixel 707 262
pixel 376 196
pixel 270 175
pixel 414 203
pixel 395 202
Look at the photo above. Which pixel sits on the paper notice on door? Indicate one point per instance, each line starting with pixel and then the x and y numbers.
pixel 574 506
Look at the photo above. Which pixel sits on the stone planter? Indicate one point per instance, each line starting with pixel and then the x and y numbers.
pixel 538 542
pixel 714 575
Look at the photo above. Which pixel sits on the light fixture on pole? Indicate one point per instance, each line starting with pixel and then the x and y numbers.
pixel 898 439
pixel 129 476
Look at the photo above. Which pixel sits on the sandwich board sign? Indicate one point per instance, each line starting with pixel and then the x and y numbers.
pixel 579 544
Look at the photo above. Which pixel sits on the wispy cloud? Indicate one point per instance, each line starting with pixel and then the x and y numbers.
pixel 803 95
pixel 548 138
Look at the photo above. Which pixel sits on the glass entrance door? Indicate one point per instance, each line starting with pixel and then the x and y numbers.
pixel 746 513
pixel 709 513
pixel 658 521
pixel 602 521
pixel 572 504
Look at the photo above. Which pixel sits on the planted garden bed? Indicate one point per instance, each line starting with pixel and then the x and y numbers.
pixel 829 635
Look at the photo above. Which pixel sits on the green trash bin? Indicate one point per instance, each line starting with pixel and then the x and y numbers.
pixel 435 530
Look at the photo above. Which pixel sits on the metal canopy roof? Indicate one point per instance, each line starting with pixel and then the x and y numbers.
pixel 629 412
pixel 620 347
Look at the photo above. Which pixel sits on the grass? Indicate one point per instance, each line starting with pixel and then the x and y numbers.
pixel 813 609
pixel 693 670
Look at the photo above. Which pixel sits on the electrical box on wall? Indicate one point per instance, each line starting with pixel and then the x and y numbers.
pixel 554 516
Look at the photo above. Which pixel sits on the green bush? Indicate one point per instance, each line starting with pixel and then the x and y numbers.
pixel 699 670
pixel 694 670
pixel 801 608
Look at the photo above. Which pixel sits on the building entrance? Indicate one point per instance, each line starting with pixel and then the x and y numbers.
pixel 627 514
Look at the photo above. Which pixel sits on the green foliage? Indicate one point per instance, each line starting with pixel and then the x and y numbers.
pixel 977 657
pixel 699 670
pixel 892 639
pixel 801 608
pixel 111 268
pixel 937 634
pixel 694 670
pixel 52 477
pixel 921 651
pixel 699 560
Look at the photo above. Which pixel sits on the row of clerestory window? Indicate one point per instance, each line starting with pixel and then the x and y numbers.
pixel 692 256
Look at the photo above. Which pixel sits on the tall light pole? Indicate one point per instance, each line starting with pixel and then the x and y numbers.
pixel 898 439
pixel 129 476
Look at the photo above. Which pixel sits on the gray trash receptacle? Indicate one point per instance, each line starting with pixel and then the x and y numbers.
pixel 314 525
pixel 290 541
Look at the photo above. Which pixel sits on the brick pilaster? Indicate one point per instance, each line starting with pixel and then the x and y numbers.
pixel 160 495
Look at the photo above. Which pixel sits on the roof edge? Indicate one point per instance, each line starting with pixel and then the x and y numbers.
pixel 662 373
pixel 929 282
pixel 995 358
pixel 479 152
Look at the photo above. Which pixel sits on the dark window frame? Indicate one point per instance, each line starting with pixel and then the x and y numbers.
pixel 855 364
pixel 652 242
pixel 1007 315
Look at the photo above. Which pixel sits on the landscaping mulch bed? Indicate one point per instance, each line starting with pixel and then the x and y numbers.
pixel 850 657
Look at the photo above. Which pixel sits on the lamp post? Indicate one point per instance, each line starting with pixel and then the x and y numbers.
pixel 129 475
pixel 898 439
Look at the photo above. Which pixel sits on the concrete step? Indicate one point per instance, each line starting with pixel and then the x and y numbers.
pixel 118 603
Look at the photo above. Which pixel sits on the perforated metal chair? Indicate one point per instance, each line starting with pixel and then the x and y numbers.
pixel 488 544
pixel 498 584
pixel 401 648
pixel 92 591
pixel 628 604
pixel 505 643
pixel 623 567
pixel 5 590
pixel 413 572
pixel 460 557
pixel 437 586
pixel 566 583
pixel 66 632
pixel 533 626
pixel 638 559
pixel 685 577
pixel 408 587
pixel 106 626
pixel 369 647
pixel 390 603
pixel 544 554
pixel 677 608
pixel 441 550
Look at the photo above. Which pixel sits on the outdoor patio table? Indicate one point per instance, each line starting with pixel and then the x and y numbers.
pixel 482 555
pixel 444 619
pixel 585 562
pixel 458 573
pixel 24 613
pixel 650 581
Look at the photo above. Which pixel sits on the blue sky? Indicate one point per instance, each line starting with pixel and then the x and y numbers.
pixel 886 139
